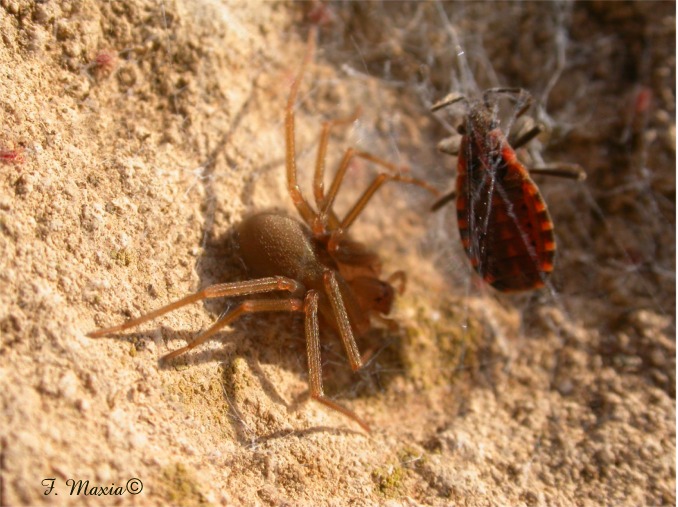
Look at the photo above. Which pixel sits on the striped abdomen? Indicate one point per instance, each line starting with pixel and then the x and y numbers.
pixel 504 225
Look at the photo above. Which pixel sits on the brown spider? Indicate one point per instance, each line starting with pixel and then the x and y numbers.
pixel 322 269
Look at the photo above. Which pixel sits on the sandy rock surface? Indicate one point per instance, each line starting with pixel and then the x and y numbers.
pixel 136 135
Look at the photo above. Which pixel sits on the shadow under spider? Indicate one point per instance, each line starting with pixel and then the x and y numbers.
pixel 274 338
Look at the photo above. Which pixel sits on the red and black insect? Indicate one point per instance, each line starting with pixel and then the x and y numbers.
pixel 503 221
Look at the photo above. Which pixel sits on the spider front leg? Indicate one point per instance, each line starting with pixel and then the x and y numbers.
pixel 319 176
pixel 378 181
pixel 315 379
pixel 303 207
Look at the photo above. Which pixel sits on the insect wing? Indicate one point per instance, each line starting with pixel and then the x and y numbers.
pixel 503 221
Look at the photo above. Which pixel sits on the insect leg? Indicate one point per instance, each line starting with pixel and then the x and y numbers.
pixel 521 97
pixel 570 171
pixel 527 137
pixel 444 200
pixel 452 98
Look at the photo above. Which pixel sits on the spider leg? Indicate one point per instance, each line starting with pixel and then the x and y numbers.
pixel 303 207
pixel 380 179
pixel 251 306
pixel 318 179
pixel 243 288
pixel 399 277
pixel 343 321
pixel 314 364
